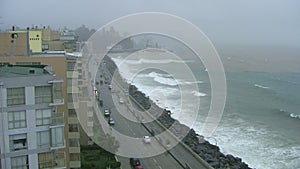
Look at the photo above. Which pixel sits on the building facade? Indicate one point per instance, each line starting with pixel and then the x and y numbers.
pixel 60 66
pixel 32 123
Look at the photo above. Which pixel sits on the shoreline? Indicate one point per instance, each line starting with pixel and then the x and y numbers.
pixel 205 150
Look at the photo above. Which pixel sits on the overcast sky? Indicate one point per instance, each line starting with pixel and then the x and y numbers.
pixel 224 21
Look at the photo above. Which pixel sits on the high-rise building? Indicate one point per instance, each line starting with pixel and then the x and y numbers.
pixel 36 47
pixel 32 121
pixel 62 67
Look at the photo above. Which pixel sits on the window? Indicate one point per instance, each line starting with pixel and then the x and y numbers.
pixel 45 46
pixel 57 90
pixel 43 117
pixel 16 119
pixel 46 160
pixel 43 139
pixel 57 137
pixel 28 63
pixel 15 96
pixel 18 142
pixel 74 157
pixel 70 98
pixel 43 94
pixel 51 160
pixel 20 162
pixel 74 142
pixel 72 113
pixel 73 128
pixel 71 65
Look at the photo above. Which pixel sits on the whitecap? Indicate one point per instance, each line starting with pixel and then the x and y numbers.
pixel 153 61
pixel 163 79
pixel 293 115
pixel 261 86
pixel 190 83
pixel 198 94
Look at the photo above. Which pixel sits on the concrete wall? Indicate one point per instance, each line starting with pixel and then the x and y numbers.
pixel 16 47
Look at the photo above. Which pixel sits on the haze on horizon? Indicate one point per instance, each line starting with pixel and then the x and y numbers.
pixel 227 23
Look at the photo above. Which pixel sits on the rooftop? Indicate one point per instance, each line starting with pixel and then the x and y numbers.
pixel 22 70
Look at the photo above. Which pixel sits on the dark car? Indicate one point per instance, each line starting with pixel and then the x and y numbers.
pixel 135 163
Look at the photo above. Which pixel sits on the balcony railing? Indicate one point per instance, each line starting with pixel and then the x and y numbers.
pixel 57 119
pixel 57 102
pixel 57 92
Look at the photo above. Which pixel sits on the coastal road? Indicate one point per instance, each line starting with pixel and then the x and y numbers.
pixel 178 157
pixel 132 129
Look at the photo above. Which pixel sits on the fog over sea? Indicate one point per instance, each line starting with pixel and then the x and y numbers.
pixel 261 120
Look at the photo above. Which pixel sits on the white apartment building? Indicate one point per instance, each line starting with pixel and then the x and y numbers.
pixel 31 121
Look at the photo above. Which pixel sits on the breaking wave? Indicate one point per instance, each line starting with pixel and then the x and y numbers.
pixel 261 86
pixel 198 94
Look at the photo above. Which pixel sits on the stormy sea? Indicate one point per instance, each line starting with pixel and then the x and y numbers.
pixel 261 119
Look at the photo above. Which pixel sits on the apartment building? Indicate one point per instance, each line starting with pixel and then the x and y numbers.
pixel 32 121
pixel 31 47
pixel 62 66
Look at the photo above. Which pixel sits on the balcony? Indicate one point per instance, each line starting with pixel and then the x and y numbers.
pixel 57 102
pixel 72 74
pixel 57 89
pixel 57 137
pixel 57 119
pixel 75 164
pixel 74 135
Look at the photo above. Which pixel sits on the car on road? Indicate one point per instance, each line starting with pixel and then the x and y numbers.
pixel 106 112
pixel 135 163
pixel 100 102
pixel 111 121
pixel 121 101
pixel 147 139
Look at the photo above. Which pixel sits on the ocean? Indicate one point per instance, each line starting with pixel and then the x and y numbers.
pixel 261 119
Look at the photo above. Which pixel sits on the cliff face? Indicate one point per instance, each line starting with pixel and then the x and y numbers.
pixel 208 152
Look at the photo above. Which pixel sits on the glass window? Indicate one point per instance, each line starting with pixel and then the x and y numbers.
pixel 20 162
pixel 70 98
pixel 74 157
pixel 16 119
pixel 71 65
pixel 60 159
pixel 43 139
pixel 15 96
pixel 43 117
pixel 57 89
pixel 73 128
pixel 46 160
pixel 72 113
pixel 57 137
pixel 43 94
pixel 18 142
pixel 74 142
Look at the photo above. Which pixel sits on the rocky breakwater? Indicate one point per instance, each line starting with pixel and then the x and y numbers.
pixel 207 151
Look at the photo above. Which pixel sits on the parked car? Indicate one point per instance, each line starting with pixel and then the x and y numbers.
pixel 147 139
pixel 135 163
pixel 111 121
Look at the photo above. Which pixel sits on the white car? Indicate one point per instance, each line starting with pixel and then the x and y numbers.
pixel 121 101
pixel 147 139
pixel 106 112
pixel 111 121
